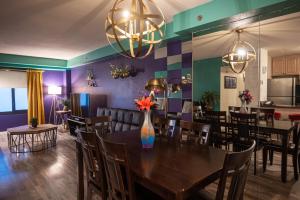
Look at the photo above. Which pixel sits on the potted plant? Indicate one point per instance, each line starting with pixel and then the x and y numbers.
pixel 66 104
pixel 34 122
pixel 209 99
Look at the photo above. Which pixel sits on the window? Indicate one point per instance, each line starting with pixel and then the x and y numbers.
pixel 13 99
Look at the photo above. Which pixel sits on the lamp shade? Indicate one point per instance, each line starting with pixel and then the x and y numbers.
pixel 155 85
pixel 54 90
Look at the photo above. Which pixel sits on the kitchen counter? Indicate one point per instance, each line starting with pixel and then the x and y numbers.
pixel 285 110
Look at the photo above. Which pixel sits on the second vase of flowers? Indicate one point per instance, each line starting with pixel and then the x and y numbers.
pixel 147 131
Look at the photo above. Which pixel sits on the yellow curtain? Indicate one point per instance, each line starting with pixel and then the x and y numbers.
pixel 35 96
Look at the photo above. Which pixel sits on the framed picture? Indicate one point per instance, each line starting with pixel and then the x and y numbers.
pixel 230 82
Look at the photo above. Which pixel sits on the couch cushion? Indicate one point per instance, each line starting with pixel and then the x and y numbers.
pixel 100 111
pixel 137 118
pixel 121 115
pixel 118 127
pixel 128 117
pixel 114 114
pixel 126 127
pixel 107 112
pixel 133 127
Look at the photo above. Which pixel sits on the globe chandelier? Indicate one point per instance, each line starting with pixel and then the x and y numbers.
pixel 239 55
pixel 134 27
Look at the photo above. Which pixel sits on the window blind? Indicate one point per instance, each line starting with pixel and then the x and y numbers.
pixel 13 79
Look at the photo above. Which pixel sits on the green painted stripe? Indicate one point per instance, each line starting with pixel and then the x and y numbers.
pixel 160 74
pixel 174 66
pixel 216 10
pixel 18 61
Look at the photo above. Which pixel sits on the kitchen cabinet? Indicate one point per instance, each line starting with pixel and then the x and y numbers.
pixel 278 66
pixel 286 65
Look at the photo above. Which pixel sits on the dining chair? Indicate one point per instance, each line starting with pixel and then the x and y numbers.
pixel 293 150
pixel 264 114
pixel 160 125
pixel 203 131
pixel 100 123
pixel 244 130
pixel 116 164
pixel 171 128
pixel 186 133
pixel 235 169
pixel 95 175
pixel 220 134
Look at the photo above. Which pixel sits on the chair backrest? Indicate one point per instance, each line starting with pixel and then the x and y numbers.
pixel 118 176
pixel 204 132
pixel 241 130
pixel 236 165
pixel 186 130
pixel 171 128
pixel 92 159
pixel 216 118
pixel 264 114
pixel 160 125
pixel 101 124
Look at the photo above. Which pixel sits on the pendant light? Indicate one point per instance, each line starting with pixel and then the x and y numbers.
pixel 239 55
pixel 134 27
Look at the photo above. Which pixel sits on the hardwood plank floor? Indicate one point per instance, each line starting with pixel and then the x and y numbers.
pixel 52 174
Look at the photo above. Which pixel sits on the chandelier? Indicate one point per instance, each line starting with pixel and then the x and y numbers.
pixel 134 27
pixel 239 55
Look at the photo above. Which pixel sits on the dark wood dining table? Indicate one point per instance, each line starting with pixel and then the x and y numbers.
pixel 282 128
pixel 173 171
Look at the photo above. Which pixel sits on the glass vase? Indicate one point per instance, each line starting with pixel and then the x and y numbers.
pixel 243 108
pixel 147 132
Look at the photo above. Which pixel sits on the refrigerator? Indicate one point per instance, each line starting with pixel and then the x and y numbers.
pixel 282 91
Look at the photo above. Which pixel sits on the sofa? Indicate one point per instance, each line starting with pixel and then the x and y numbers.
pixel 122 119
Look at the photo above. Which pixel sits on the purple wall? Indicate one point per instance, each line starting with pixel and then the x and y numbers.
pixel 57 78
pixel 120 92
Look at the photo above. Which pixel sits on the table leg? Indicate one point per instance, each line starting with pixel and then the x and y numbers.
pixel 284 157
pixel 80 186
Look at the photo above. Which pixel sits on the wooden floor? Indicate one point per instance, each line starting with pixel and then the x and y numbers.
pixel 52 175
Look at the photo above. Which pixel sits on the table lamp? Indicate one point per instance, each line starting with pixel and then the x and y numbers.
pixel 53 90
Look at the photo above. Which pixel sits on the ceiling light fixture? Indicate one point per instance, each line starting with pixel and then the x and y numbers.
pixel 132 25
pixel 239 55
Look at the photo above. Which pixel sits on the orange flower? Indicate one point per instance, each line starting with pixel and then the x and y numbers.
pixel 145 103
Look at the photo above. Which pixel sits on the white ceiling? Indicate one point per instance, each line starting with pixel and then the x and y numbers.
pixel 280 36
pixel 63 29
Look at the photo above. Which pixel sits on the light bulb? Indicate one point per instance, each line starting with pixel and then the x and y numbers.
pixel 126 14
pixel 241 52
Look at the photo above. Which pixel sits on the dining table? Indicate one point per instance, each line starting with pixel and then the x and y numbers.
pixel 282 128
pixel 170 170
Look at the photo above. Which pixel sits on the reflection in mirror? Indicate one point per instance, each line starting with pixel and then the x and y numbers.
pixel 272 76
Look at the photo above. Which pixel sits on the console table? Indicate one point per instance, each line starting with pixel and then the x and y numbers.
pixel 24 139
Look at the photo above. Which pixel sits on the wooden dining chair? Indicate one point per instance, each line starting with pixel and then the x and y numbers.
pixel 116 164
pixel 95 175
pixel 220 134
pixel 186 133
pixel 102 124
pixel 293 150
pixel 160 125
pixel 235 166
pixel 244 130
pixel 204 133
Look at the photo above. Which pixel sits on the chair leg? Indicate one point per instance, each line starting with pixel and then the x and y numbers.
pixel 271 153
pixel 295 165
pixel 265 158
pixel 89 194
pixel 299 162
pixel 254 162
